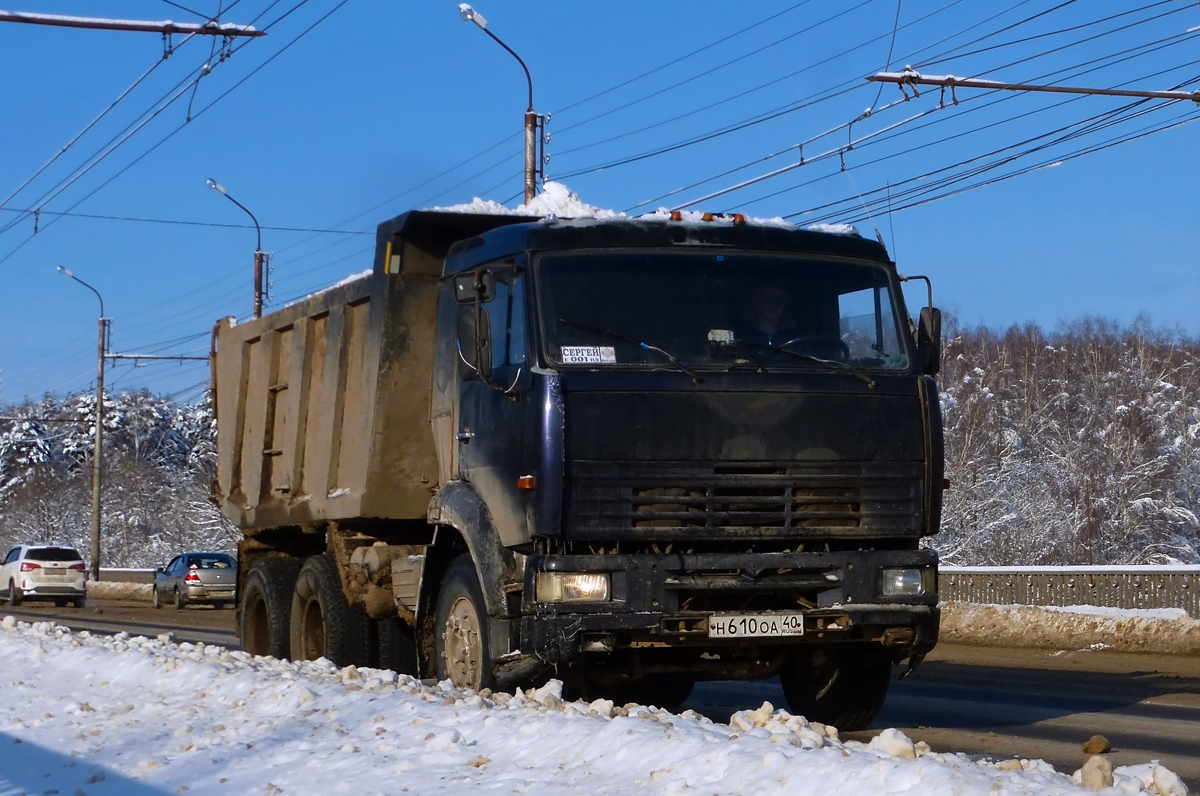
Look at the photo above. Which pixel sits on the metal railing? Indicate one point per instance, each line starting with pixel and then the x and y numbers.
pixel 1110 587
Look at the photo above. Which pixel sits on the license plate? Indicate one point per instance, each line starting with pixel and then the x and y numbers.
pixel 756 625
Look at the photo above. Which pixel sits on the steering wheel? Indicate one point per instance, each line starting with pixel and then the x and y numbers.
pixel 819 346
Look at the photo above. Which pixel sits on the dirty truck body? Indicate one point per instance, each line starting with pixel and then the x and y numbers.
pixel 529 447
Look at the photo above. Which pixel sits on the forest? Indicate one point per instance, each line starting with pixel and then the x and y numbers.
pixel 1079 445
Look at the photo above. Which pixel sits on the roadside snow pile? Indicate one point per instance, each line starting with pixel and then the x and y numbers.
pixel 120 590
pixel 120 715
pixel 1076 627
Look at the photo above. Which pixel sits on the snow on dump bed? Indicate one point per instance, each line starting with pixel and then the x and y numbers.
pixel 558 200
pixel 134 716
pixel 1167 631
pixel 340 283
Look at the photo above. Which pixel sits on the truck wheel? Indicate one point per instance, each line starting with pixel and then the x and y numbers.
pixel 323 623
pixel 461 641
pixel 397 648
pixel 265 627
pixel 844 687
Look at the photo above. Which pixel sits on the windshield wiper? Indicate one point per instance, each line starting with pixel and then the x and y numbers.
pixel 842 367
pixel 662 352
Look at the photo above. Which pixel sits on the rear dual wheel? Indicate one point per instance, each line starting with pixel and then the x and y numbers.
pixel 323 623
pixel 265 627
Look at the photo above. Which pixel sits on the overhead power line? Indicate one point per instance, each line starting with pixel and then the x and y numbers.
pixel 182 222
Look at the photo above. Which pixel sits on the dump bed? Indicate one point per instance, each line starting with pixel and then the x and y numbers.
pixel 323 407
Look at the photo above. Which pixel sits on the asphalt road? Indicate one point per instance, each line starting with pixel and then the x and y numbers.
pixel 986 702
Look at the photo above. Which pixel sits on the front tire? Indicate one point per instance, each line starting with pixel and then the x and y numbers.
pixel 461 643
pixel 844 685
pixel 157 598
pixel 266 618
pixel 323 624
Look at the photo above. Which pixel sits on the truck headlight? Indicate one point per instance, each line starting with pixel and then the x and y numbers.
pixel 902 582
pixel 573 587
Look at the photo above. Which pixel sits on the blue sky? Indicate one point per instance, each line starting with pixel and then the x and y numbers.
pixel 386 106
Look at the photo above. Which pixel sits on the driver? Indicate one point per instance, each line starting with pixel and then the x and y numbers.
pixel 768 323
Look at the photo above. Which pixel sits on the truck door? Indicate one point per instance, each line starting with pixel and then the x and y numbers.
pixel 493 412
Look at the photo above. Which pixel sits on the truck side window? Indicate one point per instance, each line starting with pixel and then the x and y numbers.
pixel 868 327
pixel 506 313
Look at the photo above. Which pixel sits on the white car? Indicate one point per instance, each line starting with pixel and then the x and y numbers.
pixel 44 572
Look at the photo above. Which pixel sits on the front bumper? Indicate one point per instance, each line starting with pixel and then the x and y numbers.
pixel 665 602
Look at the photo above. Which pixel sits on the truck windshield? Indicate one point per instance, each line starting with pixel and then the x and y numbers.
pixel 717 310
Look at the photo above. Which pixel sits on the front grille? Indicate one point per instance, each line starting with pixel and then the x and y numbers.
pixel 665 501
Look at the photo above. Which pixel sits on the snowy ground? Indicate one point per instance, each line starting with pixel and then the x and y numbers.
pixel 1075 627
pixel 118 715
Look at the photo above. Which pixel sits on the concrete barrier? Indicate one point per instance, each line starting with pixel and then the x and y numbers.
pixel 126 575
pixel 1109 587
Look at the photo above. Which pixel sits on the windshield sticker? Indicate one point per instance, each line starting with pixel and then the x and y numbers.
pixel 589 355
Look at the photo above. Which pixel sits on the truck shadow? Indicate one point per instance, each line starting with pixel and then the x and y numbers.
pixel 27 767
pixel 984 698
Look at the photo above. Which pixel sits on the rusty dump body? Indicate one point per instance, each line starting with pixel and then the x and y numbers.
pixel 323 405
pixel 630 453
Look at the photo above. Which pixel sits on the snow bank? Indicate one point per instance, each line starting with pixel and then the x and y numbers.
pixel 119 590
pixel 1163 631
pixel 90 714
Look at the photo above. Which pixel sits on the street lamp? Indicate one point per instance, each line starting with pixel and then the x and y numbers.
pixel 532 121
pixel 258 252
pixel 97 454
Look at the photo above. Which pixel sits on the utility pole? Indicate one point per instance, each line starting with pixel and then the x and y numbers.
pixel 258 252
pixel 102 356
pixel 534 122
pixel 165 27
pixel 912 78
pixel 98 450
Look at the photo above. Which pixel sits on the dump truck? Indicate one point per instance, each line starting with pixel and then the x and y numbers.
pixel 631 454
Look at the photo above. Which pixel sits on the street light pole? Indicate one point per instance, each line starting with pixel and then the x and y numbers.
pixel 98 452
pixel 532 119
pixel 258 252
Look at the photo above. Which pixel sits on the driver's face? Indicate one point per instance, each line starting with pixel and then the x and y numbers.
pixel 769 303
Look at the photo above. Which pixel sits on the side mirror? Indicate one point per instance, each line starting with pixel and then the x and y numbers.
pixel 474 286
pixel 929 340
pixel 159 570
pixel 475 340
